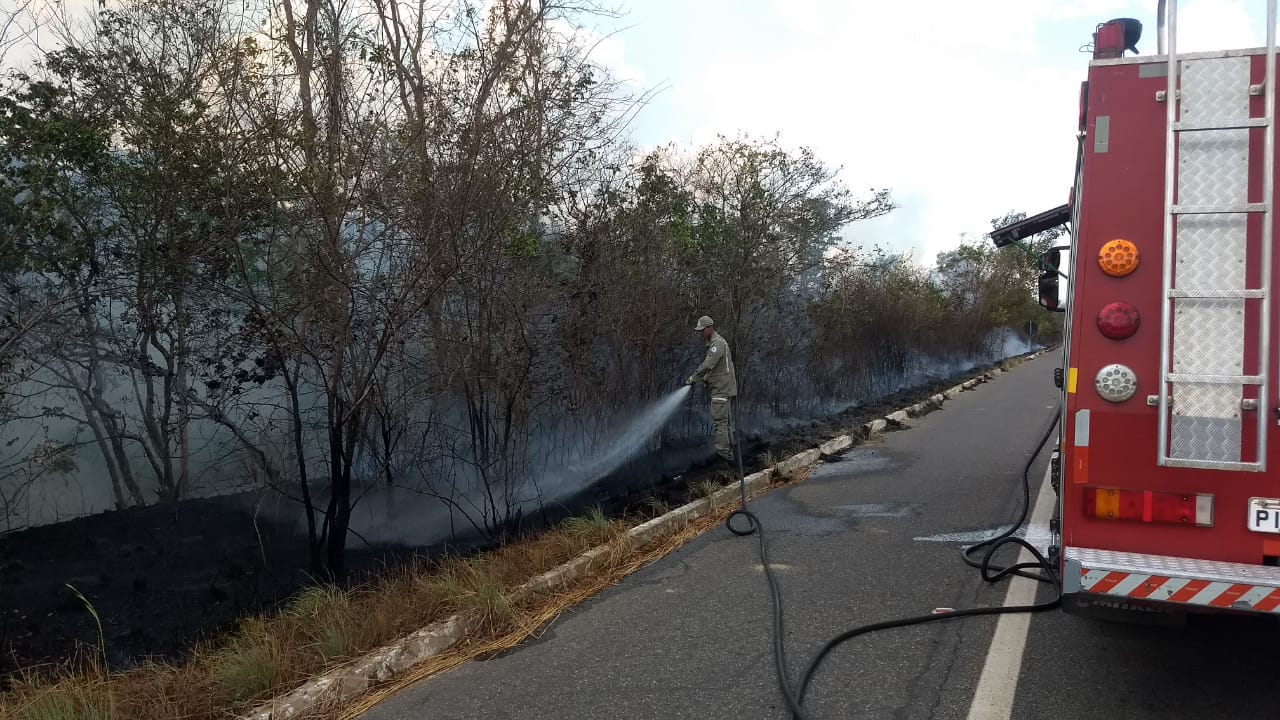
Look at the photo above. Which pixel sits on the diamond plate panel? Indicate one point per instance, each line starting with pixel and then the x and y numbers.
pixel 1206 400
pixel 1215 570
pixel 1208 340
pixel 1213 166
pixel 1215 89
pixel 1208 336
pixel 1205 438
pixel 1209 256
pixel 1210 253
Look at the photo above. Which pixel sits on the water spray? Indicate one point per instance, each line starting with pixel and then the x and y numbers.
pixel 631 438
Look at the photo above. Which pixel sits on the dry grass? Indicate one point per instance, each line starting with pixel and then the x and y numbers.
pixel 657 506
pixel 323 627
pixel 318 629
pixel 83 702
pixel 533 614
pixel 704 489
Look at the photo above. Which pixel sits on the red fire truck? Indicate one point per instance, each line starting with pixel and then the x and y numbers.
pixel 1168 465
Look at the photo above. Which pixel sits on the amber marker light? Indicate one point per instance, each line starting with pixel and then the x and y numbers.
pixel 1118 258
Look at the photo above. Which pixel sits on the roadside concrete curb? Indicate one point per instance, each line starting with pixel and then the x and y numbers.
pixel 836 445
pixel 350 680
pixel 791 466
pixel 648 531
pixel 563 574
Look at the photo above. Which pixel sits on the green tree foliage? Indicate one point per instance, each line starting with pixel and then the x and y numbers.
pixel 997 287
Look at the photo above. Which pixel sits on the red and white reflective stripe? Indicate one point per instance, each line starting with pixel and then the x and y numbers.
pixel 1139 586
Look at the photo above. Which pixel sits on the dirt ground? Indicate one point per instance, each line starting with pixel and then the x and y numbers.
pixel 161 578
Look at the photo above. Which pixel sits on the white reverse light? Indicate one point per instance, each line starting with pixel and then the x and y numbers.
pixel 1116 383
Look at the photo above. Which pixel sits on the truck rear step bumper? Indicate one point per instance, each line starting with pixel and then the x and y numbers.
pixel 1196 585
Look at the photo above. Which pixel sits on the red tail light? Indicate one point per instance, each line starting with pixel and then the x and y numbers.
pixel 1119 320
pixel 1149 506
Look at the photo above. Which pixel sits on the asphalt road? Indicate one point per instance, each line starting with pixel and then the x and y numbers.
pixel 873 536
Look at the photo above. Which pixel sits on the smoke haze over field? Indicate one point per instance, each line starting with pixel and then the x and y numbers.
pixel 420 509
pixel 675 427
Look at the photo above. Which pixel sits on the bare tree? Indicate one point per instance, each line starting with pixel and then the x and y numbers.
pixel 153 223
pixel 19 25
pixel 767 216
pixel 429 137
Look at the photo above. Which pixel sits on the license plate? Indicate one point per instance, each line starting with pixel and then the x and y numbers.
pixel 1264 515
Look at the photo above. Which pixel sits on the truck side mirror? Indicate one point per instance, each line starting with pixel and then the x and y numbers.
pixel 1048 282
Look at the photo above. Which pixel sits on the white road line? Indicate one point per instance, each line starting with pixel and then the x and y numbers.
pixel 993 700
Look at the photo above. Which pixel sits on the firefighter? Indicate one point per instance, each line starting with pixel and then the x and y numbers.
pixel 717 372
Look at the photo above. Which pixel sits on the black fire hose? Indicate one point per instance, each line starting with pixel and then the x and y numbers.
pixel 795 696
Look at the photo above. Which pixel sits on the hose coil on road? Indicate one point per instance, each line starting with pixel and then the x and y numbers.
pixel 793 694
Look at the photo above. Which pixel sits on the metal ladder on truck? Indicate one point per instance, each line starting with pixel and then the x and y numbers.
pixel 1208 399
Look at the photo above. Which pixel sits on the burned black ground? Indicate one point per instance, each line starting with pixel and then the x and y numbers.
pixel 162 578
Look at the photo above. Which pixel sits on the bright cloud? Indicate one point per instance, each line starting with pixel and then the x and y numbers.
pixel 610 52
pixel 951 109
pixel 966 110
pixel 1216 24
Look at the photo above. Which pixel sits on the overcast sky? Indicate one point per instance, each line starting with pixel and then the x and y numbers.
pixel 965 109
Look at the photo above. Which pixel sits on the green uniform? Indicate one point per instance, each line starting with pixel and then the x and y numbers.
pixel 717 372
